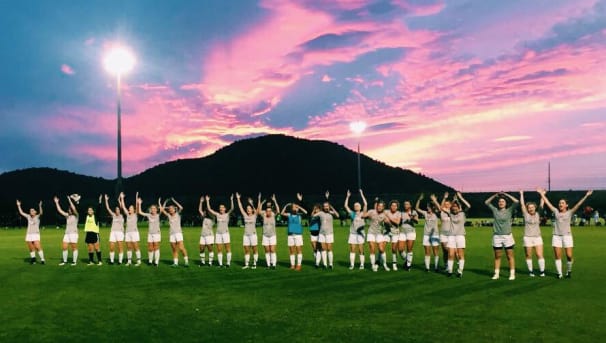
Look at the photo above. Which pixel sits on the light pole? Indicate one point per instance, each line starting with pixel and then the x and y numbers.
pixel 118 62
pixel 357 127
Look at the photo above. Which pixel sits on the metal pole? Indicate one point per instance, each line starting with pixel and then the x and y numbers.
pixel 359 168
pixel 119 113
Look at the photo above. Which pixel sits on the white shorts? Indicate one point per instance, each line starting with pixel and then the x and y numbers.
pixel 250 241
pixel 132 237
pixel 433 241
pixel 176 237
pixel 295 240
pixel 533 241
pixel 222 238
pixel 116 236
pixel 376 237
pixel 207 240
pixel 354 238
pixel 32 237
pixel 408 236
pixel 313 238
pixel 503 241
pixel 456 242
pixel 562 241
pixel 273 240
pixel 70 238
pixel 154 238
pixel 443 239
pixel 393 238
pixel 329 239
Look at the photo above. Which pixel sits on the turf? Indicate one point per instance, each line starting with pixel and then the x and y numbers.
pixel 119 303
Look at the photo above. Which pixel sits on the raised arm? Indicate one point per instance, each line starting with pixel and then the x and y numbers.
pixel 273 198
pixel 231 201
pixel 334 212
pixel 210 210
pixel 574 209
pixel 284 213
pixel 200 210
pixel 463 200
pixel 346 204
pixel 122 204
pixel 163 207
pixel 444 198
pixel 364 202
pixel 71 205
pixel 523 203
pixel 40 208
pixel 109 210
pixel 490 199
pixel 59 209
pixel 547 202
pixel 139 209
pixel 240 204
pixel 20 210
pixel 511 197
pixel 418 205
pixel 434 200
pixel 179 207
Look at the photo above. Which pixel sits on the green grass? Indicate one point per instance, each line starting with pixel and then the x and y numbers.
pixel 118 303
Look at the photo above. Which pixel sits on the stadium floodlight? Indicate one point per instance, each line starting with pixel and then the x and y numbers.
pixel 358 127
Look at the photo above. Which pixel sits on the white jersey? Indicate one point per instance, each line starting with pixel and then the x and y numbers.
pixel 269 225
pixel 71 226
pixel 131 223
pixel 117 223
pixel 458 223
pixel 174 223
pixel 376 222
pixel 356 222
pixel 326 219
pixel 397 217
pixel 33 224
pixel 250 222
pixel 431 224
pixel 154 223
pixel 207 227
pixel 446 224
pixel 222 223
pixel 532 226
pixel 561 224
pixel 407 218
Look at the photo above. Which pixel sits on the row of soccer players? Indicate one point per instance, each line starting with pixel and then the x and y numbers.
pixel 386 225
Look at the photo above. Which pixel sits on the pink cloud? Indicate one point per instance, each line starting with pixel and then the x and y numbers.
pixel 67 70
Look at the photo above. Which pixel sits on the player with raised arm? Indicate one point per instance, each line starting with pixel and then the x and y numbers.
pixel 376 234
pixel 176 233
pixel 91 228
pixel 327 237
pixel 408 234
pixel 154 235
pixel 445 227
pixel 532 234
pixel 356 229
pixel 70 238
pixel 314 233
pixel 222 238
pixel 562 233
pixel 269 231
pixel 393 221
pixel 32 236
pixel 431 238
pixel 295 233
pixel 116 233
pixel 456 237
pixel 132 232
pixel 249 240
pixel 502 238
pixel 207 238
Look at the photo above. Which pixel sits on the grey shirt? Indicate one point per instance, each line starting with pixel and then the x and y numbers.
pixel 131 223
pixel 174 223
pixel 71 226
pixel 326 219
pixel 269 225
pixel 502 219
pixel 250 222
pixel 532 226
pixel 117 223
pixel 154 223
pixel 222 223
pixel 431 224
pixel 33 224
pixel 406 218
pixel 207 227
pixel 561 224
pixel 376 222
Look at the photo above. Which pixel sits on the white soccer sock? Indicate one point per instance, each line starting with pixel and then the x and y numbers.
pixel 318 257
pixel 529 264
pixel 228 258
pixel 436 261
pixel 403 255
pixel 427 261
pixel 461 265
pixel 32 254
pixel 512 272
pixel 65 256
pixel 330 258
pixel 497 272
pixel 75 257
pixel 112 255
pixel 558 264
pixel 292 260
pixel 220 258
pixel 394 258
pixel 157 256
pixel 542 264
pixel 120 257
pixel 450 264
pixel 41 254
pixel 175 260
pixel 362 259
pixel 129 255
pixel 352 258
pixel 138 254
pixel 246 259
pixel 186 259
pixel 211 256
pixel 150 256
pixel 324 257
pixel 299 259
pixel 202 257
pixel 372 259
pixel 255 259
pixel 267 259
pixel 569 266
pixel 274 258
pixel 384 258
pixel 409 259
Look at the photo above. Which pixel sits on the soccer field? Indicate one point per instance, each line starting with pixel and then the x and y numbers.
pixel 119 303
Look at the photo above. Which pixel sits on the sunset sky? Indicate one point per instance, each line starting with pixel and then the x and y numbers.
pixel 478 94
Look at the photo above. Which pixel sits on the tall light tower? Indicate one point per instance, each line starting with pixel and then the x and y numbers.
pixel 118 62
pixel 357 127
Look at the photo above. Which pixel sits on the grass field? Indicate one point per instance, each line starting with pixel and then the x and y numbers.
pixel 119 303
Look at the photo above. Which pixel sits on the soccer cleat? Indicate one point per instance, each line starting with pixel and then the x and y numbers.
pixel 351 267
pixel 408 268
pixel 298 268
pixel 227 265
pixel 90 263
pixel 512 277
pixel 254 266
pixel 361 267
pixel 375 268
pixel 459 274
pixel 449 275
pixel 317 266
pixel 62 263
pixel 427 270
pixel 386 267
pixel 73 264
pixel 201 264
pixel 186 265
pixel 569 275
pixel 559 276
pixel 138 263
pixel 292 267
pixel 495 277
pixel 394 267
pixel 245 267
pixel 174 265
pixel 542 274
pixel 44 262
pixel 100 263
pixel 330 267
pixel 128 263
pixel 273 267
pixel 531 274
pixel 32 260
pixel 111 263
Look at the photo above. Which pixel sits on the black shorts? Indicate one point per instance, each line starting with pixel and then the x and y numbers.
pixel 91 238
pixel 314 232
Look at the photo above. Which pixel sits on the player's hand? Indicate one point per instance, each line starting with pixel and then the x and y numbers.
pixel 18 203
pixel 300 196
pixel 348 193
pixel 327 194
pixel 237 195
pixel 56 199
pixel 207 198
pixel 589 192
pixel 421 196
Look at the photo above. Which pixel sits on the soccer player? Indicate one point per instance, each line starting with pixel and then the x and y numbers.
pixel 116 234
pixel 445 227
pixel 431 238
pixel 222 238
pixel 562 233
pixel 356 229
pixel 269 231
pixel 393 221
pixel 532 234
pixel 175 231
pixel 249 241
pixel 132 232
pixel 502 238
pixel 207 238
pixel 314 233
pixel 91 228
pixel 154 235
pixel 456 237
pixel 295 234
pixel 70 238
pixel 32 236
pixel 408 234
pixel 375 237
pixel 327 237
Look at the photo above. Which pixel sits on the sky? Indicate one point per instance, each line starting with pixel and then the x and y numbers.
pixel 480 95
